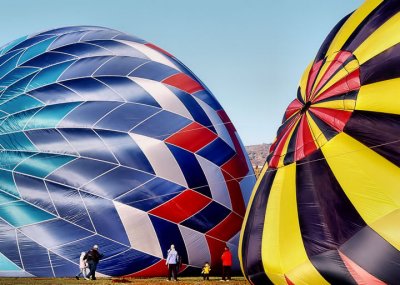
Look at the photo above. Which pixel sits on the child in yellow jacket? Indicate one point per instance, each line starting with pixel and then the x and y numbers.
pixel 205 272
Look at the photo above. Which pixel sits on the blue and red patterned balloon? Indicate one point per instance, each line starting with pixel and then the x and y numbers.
pixel 109 140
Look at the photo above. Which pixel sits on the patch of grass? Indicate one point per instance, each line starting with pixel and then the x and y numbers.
pixel 117 281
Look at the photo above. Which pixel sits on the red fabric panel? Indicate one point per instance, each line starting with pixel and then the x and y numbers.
pixel 349 83
pixel 183 82
pixel 311 78
pixel 304 141
pixel 176 209
pixel 226 229
pixel 216 249
pixel 340 58
pixel 235 194
pixel 293 107
pixel 361 276
pixel 157 269
pixel 288 281
pixel 337 119
pixel 158 49
pixel 192 137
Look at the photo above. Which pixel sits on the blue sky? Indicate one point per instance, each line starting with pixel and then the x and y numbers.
pixel 250 53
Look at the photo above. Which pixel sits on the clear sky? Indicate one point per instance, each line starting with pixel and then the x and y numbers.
pixel 250 53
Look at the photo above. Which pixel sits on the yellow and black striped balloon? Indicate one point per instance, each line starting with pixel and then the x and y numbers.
pixel 326 208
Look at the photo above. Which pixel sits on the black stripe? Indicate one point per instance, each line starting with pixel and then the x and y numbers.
pixel 299 97
pixel 374 254
pixel 253 231
pixel 289 156
pixel 327 130
pixel 326 216
pixel 380 131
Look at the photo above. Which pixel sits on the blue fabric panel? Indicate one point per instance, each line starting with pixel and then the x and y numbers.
pixel 217 152
pixel 10 159
pixel 67 39
pixel 83 50
pixel 191 169
pixel 20 214
pixel 85 115
pixel 31 41
pixel 42 164
pixel 20 103
pixel 50 116
pixel 48 75
pixel 120 66
pixel 193 107
pixel 128 262
pixel 55 93
pixel 87 143
pixel 117 182
pixel 50 140
pixel 162 125
pixel 17 74
pixel 126 37
pixel 151 194
pixel 126 117
pixel 208 98
pixel 69 205
pixel 7 183
pixel 80 172
pixel 16 89
pixel 34 191
pixel 154 70
pixel 92 90
pixel 55 233
pixel 35 50
pixel 119 48
pixel 9 55
pixel 63 267
pixel 16 141
pixel 73 250
pixel 207 218
pixel 7 265
pixel 16 122
pixel 68 30
pixel 100 35
pixel 48 58
pixel 126 150
pixel 8 243
pixel 168 233
pixel 9 65
pixel 130 91
pixel 5 198
pixel 84 67
pixel 34 257
pixel 105 218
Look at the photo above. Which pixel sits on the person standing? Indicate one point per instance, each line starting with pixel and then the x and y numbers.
pixel 226 264
pixel 205 271
pixel 93 257
pixel 172 263
pixel 82 267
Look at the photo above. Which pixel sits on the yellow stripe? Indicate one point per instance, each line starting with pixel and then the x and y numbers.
pixel 346 70
pixel 381 97
pixel 253 193
pixel 383 38
pixel 348 104
pixel 318 136
pixel 388 228
pixel 303 81
pixel 351 24
pixel 369 180
pixel 282 245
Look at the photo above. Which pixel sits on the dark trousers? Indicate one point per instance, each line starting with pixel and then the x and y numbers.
pixel 206 276
pixel 172 271
pixel 226 273
pixel 92 269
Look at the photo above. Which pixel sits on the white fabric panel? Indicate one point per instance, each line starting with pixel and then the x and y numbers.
pixel 139 229
pixel 216 182
pixel 151 53
pixel 196 246
pixel 165 97
pixel 233 245
pixel 160 158
pixel 217 123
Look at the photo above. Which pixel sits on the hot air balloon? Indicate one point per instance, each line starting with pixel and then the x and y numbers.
pixel 326 208
pixel 107 139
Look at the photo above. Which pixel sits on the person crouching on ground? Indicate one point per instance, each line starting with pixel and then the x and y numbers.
pixel 93 257
pixel 82 267
pixel 171 262
pixel 205 271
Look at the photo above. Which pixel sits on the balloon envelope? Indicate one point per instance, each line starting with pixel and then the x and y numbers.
pixel 326 208
pixel 107 139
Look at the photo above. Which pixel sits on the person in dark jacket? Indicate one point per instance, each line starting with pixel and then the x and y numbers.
pixel 93 257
